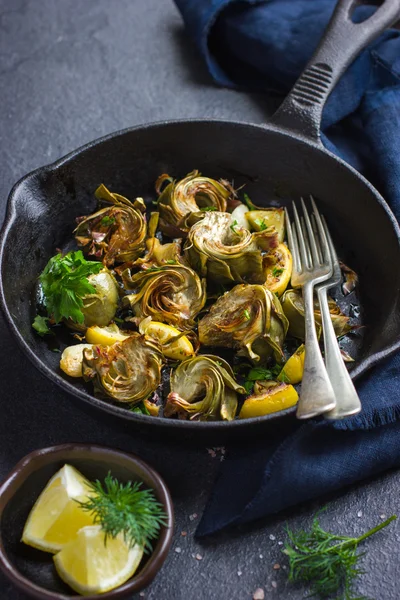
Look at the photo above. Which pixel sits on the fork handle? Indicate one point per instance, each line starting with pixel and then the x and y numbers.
pixel 317 395
pixel 347 400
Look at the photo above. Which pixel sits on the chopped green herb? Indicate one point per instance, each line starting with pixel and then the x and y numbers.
pixel 260 374
pixel 208 208
pixel 65 283
pixel 118 320
pixel 106 221
pixel 140 408
pixel 171 262
pixel 276 271
pixel 326 561
pixel 153 269
pixel 283 377
pixel 40 325
pixel 248 202
pixel 233 225
pixel 261 224
pixel 127 509
pixel 246 315
pixel 248 386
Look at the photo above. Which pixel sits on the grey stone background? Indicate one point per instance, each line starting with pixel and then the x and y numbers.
pixel 74 70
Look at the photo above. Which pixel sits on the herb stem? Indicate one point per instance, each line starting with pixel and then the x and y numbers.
pixel 356 541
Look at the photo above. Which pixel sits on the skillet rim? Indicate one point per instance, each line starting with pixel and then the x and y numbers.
pixel 122 413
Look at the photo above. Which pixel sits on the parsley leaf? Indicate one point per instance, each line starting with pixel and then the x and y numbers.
pixel 246 315
pixel 65 283
pixel 233 225
pixel 276 272
pixel 248 386
pixel 106 221
pixel 40 325
pixel 171 261
pixel 261 224
pixel 140 408
pixel 248 202
pixel 208 208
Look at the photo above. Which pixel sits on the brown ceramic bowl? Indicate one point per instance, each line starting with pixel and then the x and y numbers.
pixel 31 570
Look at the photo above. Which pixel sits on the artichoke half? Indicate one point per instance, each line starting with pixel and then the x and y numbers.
pixel 193 194
pixel 218 248
pixel 293 307
pixel 115 233
pixel 171 294
pixel 248 318
pixel 203 388
pixel 128 371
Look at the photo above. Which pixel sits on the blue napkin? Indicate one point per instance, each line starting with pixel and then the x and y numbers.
pixel 264 45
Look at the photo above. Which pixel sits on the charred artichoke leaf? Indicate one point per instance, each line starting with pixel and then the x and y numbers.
pixel 115 233
pixel 218 248
pixel 293 307
pixel 351 279
pixel 203 388
pixel 128 371
pixel 171 293
pixel 193 194
pixel 248 318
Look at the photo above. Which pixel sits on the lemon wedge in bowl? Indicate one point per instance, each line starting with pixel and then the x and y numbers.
pixel 56 516
pixel 90 566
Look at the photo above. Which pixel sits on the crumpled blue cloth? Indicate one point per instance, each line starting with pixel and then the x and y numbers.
pixel 264 45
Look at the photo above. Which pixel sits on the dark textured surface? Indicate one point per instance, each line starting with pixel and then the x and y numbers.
pixel 71 71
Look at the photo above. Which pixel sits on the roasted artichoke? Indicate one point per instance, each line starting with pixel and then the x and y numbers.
pixel 172 294
pixel 115 233
pixel 248 318
pixel 203 388
pixel 218 248
pixel 127 371
pixel 293 307
pixel 193 194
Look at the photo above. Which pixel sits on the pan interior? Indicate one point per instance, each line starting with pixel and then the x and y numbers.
pixel 274 167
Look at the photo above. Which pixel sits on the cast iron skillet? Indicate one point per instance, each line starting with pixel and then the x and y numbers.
pixel 281 160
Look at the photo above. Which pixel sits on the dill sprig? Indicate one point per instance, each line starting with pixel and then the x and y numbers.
pixel 328 562
pixel 127 509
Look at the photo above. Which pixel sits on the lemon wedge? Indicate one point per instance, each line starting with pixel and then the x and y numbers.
pixel 105 336
pixel 278 269
pixel 56 517
pixel 179 349
pixel 89 566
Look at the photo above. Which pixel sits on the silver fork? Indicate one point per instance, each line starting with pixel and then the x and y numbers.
pixel 347 400
pixel 311 266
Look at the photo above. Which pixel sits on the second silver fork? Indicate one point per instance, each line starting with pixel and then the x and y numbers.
pixel 311 266
pixel 347 400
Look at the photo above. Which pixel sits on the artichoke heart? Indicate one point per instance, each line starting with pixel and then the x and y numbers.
pixel 193 194
pixel 248 318
pixel 293 307
pixel 203 388
pixel 128 371
pixel 218 248
pixel 115 233
pixel 172 294
pixel 271 397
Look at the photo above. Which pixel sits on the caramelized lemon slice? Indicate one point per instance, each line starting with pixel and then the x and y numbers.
pixel 179 349
pixel 89 566
pixel 274 398
pixel 292 372
pixel 278 270
pixel 56 517
pixel 105 336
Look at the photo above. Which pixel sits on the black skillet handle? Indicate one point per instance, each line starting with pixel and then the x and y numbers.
pixel 342 41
